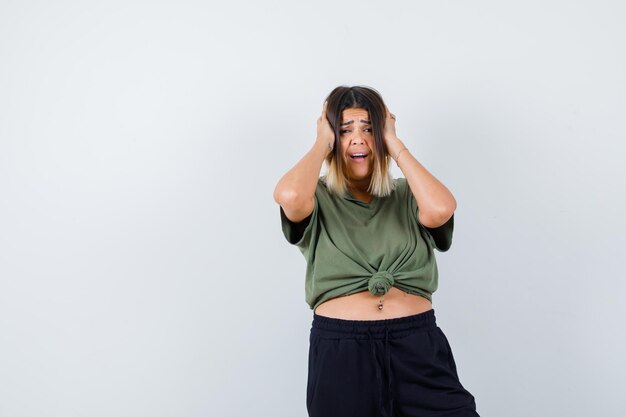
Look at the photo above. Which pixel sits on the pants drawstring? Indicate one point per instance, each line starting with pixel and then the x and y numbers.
pixel 379 377
pixel 389 373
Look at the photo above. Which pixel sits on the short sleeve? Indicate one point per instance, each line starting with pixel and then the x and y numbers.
pixel 441 237
pixel 299 234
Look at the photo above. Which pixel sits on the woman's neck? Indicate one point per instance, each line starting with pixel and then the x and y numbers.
pixel 361 193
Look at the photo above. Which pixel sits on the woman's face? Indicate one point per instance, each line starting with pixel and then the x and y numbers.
pixel 357 144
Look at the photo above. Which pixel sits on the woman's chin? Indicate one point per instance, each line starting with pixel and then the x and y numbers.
pixel 361 173
pixel 360 179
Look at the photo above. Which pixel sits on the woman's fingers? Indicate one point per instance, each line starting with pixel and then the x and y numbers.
pixel 324 131
pixel 390 114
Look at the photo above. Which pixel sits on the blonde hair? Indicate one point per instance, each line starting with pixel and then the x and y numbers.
pixel 381 183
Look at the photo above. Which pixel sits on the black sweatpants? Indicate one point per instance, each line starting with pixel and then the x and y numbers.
pixel 385 368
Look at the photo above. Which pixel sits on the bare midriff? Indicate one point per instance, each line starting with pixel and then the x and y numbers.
pixel 365 306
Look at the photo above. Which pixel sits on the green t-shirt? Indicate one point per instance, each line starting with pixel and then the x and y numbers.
pixel 351 246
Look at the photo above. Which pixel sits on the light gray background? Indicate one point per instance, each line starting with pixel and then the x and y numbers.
pixel 142 267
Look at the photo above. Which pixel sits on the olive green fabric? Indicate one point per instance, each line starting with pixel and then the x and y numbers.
pixel 351 246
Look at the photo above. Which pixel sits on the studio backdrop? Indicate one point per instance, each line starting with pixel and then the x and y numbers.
pixel 143 271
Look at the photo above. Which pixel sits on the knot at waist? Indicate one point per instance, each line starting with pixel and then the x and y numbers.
pixel 380 283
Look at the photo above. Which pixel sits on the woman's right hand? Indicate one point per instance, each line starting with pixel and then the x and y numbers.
pixel 325 133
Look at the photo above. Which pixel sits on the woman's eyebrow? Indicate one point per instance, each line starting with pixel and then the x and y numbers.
pixel 367 122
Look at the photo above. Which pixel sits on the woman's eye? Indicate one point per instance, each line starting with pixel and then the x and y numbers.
pixel 368 130
pixel 344 131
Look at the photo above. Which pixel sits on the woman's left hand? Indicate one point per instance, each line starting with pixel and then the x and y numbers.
pixel 394 145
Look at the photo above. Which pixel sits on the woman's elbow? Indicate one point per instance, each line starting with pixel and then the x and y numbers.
pixel 287 197
pixel 438 218
pixel 295 205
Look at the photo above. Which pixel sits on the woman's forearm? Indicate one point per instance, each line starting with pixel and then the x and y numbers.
pixel 296 189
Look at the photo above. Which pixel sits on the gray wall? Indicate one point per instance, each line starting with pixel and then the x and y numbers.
pixel 142 267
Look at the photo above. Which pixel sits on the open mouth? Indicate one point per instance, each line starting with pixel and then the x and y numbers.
pixel 358 156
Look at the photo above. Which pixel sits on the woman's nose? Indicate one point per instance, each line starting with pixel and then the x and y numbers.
pixel 357 138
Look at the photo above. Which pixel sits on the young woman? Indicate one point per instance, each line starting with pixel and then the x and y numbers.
pixel 369 240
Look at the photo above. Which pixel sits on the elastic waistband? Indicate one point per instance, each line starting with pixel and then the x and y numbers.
pixel 331 327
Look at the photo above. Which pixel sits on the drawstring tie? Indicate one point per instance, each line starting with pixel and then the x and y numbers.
pixel 379 377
